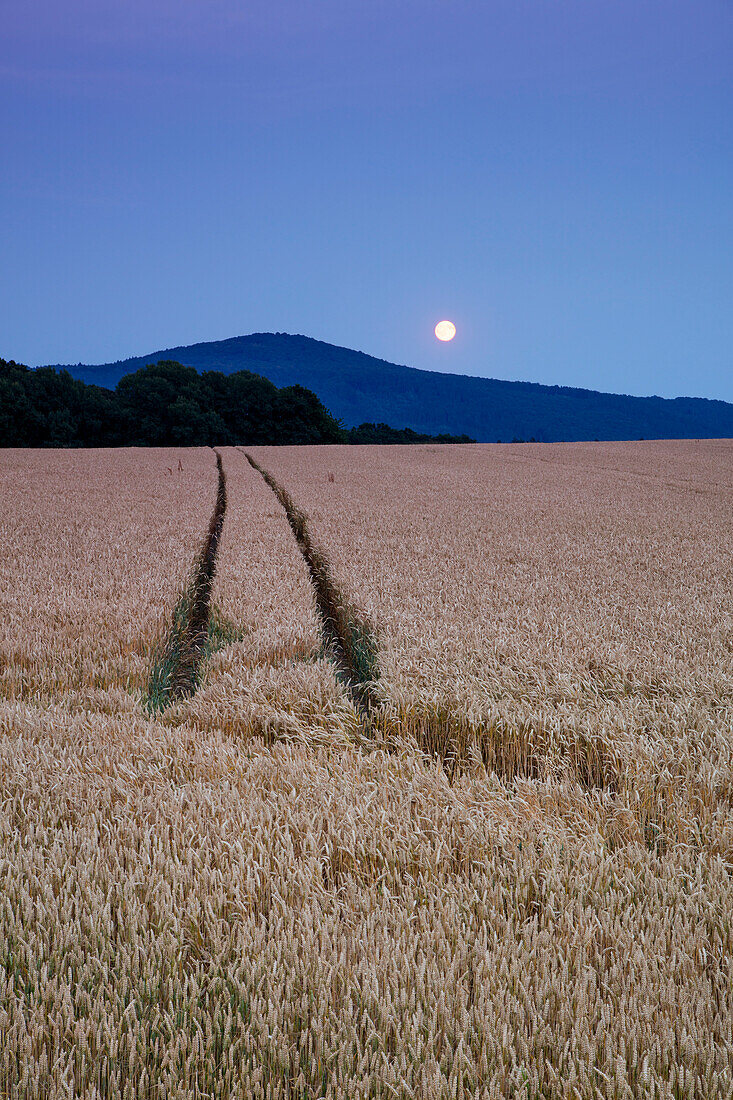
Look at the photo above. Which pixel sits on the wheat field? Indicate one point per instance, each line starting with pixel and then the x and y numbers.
pixel 511 878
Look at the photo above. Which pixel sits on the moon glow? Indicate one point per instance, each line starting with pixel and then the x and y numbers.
pixel 445 330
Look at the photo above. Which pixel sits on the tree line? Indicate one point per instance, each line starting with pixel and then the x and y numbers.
pixel 166 404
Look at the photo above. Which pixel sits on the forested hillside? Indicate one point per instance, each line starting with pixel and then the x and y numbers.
pixel 356 387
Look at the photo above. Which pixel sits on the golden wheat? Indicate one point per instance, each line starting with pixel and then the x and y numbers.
pixel 522 887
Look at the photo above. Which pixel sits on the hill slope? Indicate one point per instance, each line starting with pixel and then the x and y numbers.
pixel 356 387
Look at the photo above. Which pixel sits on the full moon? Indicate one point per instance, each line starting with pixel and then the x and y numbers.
pixel 445 330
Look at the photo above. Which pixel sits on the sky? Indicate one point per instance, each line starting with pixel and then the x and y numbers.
pixel 554 176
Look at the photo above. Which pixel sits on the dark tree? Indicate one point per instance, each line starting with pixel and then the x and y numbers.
pixel 166 404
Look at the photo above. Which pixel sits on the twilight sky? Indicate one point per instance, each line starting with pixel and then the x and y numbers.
pixel 555 176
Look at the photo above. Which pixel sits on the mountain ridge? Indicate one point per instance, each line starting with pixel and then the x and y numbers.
pixel 357 387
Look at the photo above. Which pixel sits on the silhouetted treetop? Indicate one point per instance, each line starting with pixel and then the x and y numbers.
pixel 166 404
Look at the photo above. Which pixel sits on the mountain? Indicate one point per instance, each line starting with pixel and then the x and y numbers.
pixel 356 387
